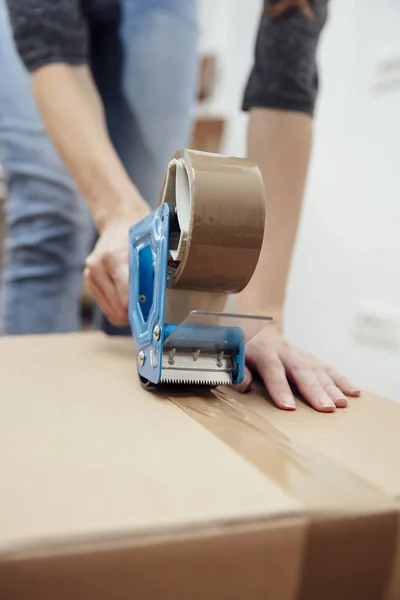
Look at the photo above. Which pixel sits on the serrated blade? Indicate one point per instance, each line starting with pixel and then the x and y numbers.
pixel 196 368
pixel 195 378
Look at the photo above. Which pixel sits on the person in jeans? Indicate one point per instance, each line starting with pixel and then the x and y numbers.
pixel 114 81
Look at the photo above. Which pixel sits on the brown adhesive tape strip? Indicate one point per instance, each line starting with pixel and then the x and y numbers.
pixel 220 204
pixel 221 210
pixel 342 508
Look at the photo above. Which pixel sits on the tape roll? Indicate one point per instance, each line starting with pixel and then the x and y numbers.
pixel 220 209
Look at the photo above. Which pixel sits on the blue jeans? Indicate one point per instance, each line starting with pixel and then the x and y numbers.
pixel 145 68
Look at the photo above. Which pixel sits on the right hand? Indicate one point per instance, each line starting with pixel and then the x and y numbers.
pixel 279 364
pixel 107 267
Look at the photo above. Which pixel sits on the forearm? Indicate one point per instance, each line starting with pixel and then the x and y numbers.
pixel 281 94
pixel 280 143
pixel 73 115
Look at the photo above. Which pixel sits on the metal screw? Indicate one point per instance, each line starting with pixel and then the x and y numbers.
pixel 156 333
pixel 141 358
pixel 142 298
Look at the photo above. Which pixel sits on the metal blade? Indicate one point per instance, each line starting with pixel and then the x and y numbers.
pixel 195 378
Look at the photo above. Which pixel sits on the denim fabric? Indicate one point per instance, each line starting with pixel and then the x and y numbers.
pixel 145 68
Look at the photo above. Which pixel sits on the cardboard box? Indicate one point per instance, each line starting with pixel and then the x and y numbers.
pixel 207 134
pixel 111 492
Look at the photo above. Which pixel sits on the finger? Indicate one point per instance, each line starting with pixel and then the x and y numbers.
pixel 119 275
pixel 331 389
pixel 107 308
pixel 343 383
pixel 106 289
pixel 311 389
pixel 245 385
pixel 101 300
pixel 273 374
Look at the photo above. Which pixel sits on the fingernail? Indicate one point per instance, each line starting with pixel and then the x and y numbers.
pixel 341 402
pixel 287 401
pixel 354 390
pixel 324 401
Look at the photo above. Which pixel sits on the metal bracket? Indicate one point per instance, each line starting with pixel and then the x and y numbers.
pixel 148 282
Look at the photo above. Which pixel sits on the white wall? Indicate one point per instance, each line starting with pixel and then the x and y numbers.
pixel 229 28
pixel 348 251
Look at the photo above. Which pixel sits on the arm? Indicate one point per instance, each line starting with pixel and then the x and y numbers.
pixel 280 143
pixel 52 42
pixel 73 115
pixel 280 96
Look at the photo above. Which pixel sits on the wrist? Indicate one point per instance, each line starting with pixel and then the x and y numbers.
pixel 258 305
pixel 248 306
pixel 129 207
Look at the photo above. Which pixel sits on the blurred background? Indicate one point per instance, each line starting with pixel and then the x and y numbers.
pixel 344 293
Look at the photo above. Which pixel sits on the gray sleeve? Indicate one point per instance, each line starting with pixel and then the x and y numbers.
pixel 284 73
pixel 48 31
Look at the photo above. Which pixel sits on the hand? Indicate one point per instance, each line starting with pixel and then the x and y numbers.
pixel 278 362
pixel 107 268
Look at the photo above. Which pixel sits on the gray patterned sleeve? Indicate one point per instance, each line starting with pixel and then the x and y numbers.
pixel 285 73
pixel 48 31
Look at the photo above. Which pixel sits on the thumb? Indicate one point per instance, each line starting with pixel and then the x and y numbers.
pixel 245 385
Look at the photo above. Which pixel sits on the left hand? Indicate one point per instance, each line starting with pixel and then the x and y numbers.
pixel 278 362
pixel 107 267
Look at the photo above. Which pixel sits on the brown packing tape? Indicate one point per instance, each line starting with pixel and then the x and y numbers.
pixel 220 204
pixel 351 524
pixel 221 212
pixel 226 221
pixel 179 303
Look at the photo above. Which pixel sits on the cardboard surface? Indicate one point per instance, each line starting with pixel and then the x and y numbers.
pixel 109 491
pixel 95 453
pixel 364 438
